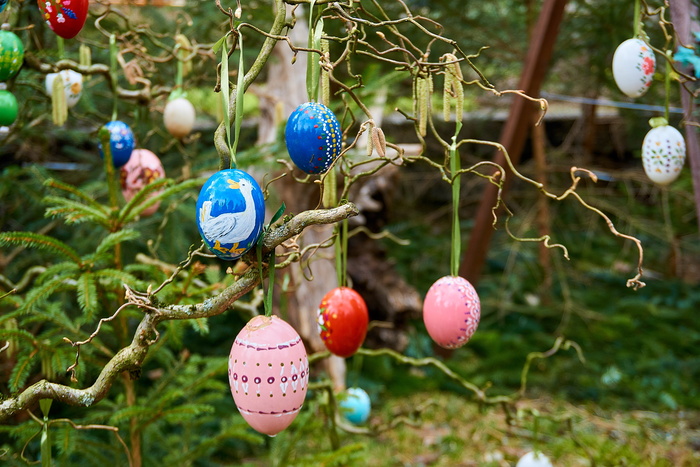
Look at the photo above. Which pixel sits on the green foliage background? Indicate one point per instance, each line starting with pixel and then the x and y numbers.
pixel 640 347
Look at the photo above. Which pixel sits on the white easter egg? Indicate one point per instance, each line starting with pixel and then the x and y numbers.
pixel 633 67
pixel 72 85
pixel 178 117
pixel 663 154
pixel 534 459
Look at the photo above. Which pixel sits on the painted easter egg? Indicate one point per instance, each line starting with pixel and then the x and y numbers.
pixel 451 311
pixel 65 17
pixel 121 142
pixel 633 67
pixel 143 168
pixel 534 459
pixel 342 321
pixel 72 85
pixel 268 372
pixel 178 117
pixel 663 153
pixel 8 108
pixel 313 137
pixel 11 54
pixel 3 4
pixel 355 405
pixel 230 213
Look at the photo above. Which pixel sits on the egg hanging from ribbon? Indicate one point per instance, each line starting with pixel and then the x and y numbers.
pixel 8 108
pixel 143 168
pixel 230 213
pixel 268 372
pixel 313 137
pixel 121 142
pixel 355 405
pixel 633 67
pixel 11 54
pixel 72 85
pixel 65 17
pixel 663 152
pixel 342 321
pixel 451 311
pixel 179 117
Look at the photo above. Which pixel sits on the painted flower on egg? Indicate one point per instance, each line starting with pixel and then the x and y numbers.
pixel 230 213
pixel 313 137
pixel 451 311
pixel 342 321
pixel 268 372
pixel 633 67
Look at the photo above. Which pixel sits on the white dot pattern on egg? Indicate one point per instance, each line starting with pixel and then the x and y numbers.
pixel 663 154
pixel 633 67
pixel 268 373
pixel 451 311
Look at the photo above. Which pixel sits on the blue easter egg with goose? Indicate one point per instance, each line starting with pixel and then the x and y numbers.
pixel 121 142
pixel 230 213
pixel 313 137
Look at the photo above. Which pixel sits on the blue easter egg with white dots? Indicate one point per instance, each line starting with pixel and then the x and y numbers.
pixel 355 406
pixel 230 213
pixel 121 142
pixel 313 137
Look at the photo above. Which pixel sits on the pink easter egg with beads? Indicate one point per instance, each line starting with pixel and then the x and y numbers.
pixel 451 311
pixel 268 372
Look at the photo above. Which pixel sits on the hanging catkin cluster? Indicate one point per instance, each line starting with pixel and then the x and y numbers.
pixel 453 90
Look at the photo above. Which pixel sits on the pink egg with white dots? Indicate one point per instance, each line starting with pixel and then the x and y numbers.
pixel 451 311
pixel 268 372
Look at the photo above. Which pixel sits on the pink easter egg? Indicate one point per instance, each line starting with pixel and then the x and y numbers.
pixel 268 372
pixel 142 168
pixel 451 311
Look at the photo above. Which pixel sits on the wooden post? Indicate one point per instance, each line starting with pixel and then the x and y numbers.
pixel 514 132
pixel 682 12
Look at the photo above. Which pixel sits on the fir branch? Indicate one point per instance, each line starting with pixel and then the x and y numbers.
pixel 22 369
pixel 87 199
pixel 87 295
pixel 40 293
pixel 41 242
pixel 110 241
pixel 75 212
pixel 131 211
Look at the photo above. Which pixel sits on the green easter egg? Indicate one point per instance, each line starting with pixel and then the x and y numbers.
pixel 8 108
pixel 11 54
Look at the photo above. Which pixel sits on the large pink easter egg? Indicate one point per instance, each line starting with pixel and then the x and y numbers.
pixel 142 168
pixel 451 311
pixel 268 372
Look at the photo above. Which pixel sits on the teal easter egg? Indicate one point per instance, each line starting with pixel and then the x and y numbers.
pixel 8 108
pixel 3 4
pixel 11 54
pixel 355 406
pixel 313 137
pixel 121 142
pixel 230 213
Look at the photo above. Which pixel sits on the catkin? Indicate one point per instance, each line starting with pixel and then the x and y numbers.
pixel 379 141
pixel 59 108
pixel 325 77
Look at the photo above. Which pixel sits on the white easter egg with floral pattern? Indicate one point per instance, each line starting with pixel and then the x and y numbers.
pixel 633 67
pixel 663 154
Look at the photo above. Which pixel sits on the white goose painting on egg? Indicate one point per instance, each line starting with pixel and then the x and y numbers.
pixel 230 213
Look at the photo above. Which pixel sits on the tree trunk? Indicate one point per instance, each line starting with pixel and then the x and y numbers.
pixel 682 12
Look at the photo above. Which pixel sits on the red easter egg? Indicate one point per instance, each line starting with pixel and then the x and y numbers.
pixel 451 311
pixel 65 17
pixel 142 168
pixel 268 372
pixel 342 321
